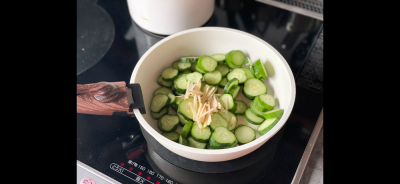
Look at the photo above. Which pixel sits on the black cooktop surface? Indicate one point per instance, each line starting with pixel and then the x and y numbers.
pixel 116 145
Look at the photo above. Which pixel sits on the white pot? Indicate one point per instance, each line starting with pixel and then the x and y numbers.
pixel 167 17
pixel 208 41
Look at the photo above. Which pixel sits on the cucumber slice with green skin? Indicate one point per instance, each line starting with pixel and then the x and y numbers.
pixel 194 77
pixel 237 57
pixel 229 84
pixel 223 69
pixel 171 97
pixel 207 63
pixel 174 106
pixel 178 99
pixel 182 66
pixel 257 106
pixel 180 83
pixel 223 82
pixel 198 69
pixel 168 123
pixel 163 82
pixel 228 116
pixel 233 109
pixel 220 58
pixel 173 136
pixel 249 75
pixel 186 71
pixel 222 138
pixel 267 101
pixel 267 125
pixel 237 73
pixel 189 59
pixel 228 60
pixel 254 87
pixel 229 98
pixel 249 65
pixel 277 113
pixel 240 108
pixel 182 120
pixel 159 102
pixel 200 134
pixel 213 78
pixel 195 144
pixel 259 70
pixel 252 118
pixel 256 112
pixel 193 67
pixel 157 116
pixel 208 145
pixel 187 129
pixel 245 134
pixel 184 109
pixel 183 141
pixel 169 74
pixel 175 64
pixel 177 91
pixel 218 120
pixel 234 91
pixel 162 90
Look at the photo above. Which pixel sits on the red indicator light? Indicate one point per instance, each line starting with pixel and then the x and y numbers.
pixel 148 177
pixel 139 173
pixel 122 164
pixel 130 168
pixel 157 182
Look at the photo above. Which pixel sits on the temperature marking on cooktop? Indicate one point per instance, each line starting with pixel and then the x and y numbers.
pixel 128 173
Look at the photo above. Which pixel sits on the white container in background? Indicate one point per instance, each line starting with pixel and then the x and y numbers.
pixel 166 17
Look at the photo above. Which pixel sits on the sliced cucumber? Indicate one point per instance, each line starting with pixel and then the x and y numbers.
pixel 168 123
pixel 277 113
pixel 267 125
pixel 240 108
pixel 187 129
pixel 164 83
pixel 220 58
pixel 223 82
pixel 245 134
pixel 178 92
pixel 186 71
pixel 254 87
pixel 171 97
pixel 234 91
pixel 182 120
pixel 249 65
pixel 159 102
pixel 218 120
pixel 237 58
pixel 223 69
pixel 256 112
pixel 180 83
pixel 183 141
pixel 249 75
pixel 200 134
pixel 195 144
pixel 162 90
pixel 182 66
pixel 175 64
pixel 193 77
pixel 189 59
pixel 228 116
pixel 229 84
pixel 267 101
pixel 228 60
pixel 259 70
pixel 231 102
pixel 157 116
pixel 222 138
pixel 173 136
pixel 184 109
pixel 193 67
pixel 213 78
pixel 238 73
pixel 207 63
pixel 178 99
pixel 169 74
pixel 198 69
pixel 257 105
pixel 174 106
pixel 252 118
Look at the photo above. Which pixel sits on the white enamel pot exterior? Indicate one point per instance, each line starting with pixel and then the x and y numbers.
pixel 167 17
pixel 208 41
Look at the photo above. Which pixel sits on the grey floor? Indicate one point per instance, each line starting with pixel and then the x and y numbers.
pixel 313 172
